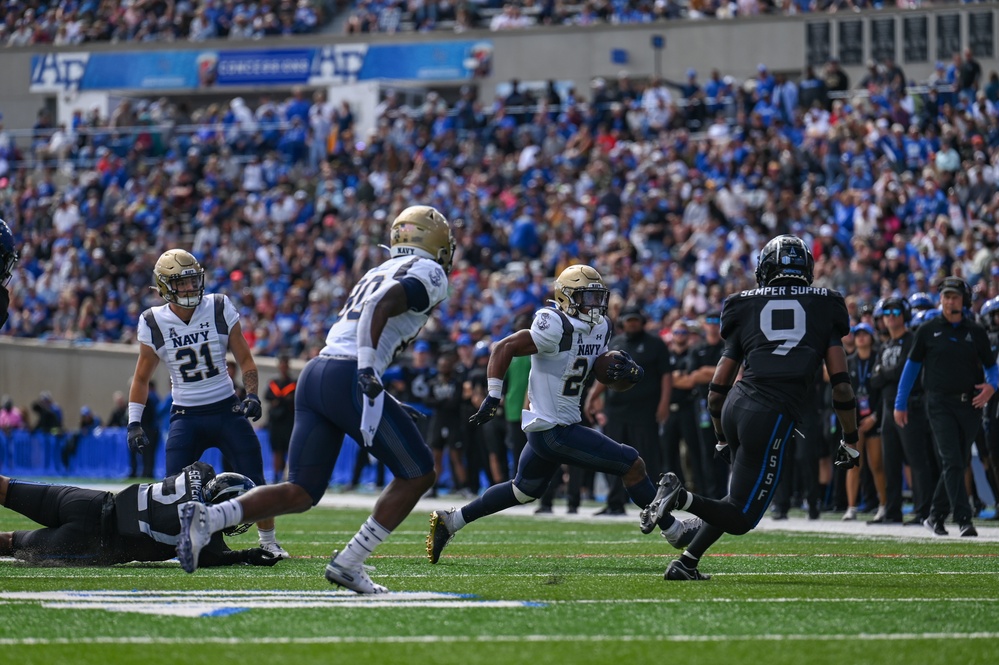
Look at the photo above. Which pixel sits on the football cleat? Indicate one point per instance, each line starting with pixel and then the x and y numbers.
pixel 194 534
pixel 968 530
pixel 679 572
pixel 355 579
pixel 935 525
pixel 439 536
pixel 665 501
pixel 682 532
pixel 275 550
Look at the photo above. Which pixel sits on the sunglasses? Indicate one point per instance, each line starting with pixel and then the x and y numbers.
pixel 893 312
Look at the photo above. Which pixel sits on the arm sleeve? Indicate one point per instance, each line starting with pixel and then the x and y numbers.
pixel 905 384
pixel 417 298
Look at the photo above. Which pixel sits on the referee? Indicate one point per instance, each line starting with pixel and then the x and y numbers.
pixel 953 350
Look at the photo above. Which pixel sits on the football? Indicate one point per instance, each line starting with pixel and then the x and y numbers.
pixel 600 366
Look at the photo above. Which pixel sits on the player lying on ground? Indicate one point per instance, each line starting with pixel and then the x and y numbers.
pixel 84 527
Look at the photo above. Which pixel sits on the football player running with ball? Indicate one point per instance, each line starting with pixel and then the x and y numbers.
pixel 191 334
pixel 563 343
pixel 779 334
pixel 339 392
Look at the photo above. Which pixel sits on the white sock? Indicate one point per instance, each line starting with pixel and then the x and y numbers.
pixel 454 521
pixel 225 514
pixel 690 500
pixel 369 536
pixel 266 536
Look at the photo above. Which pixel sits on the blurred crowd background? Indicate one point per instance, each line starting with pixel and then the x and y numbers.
pixel 63 22
pixel 668 187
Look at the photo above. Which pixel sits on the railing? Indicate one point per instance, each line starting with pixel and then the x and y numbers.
pixel 104 455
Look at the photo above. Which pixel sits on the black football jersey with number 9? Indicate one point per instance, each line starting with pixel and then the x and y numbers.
pixel 781 334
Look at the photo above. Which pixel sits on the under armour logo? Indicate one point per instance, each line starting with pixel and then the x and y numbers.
pixel 205 325
pixel 180 411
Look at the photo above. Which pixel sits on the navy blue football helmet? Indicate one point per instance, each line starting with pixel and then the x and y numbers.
pixel 227 486
pixel 8 253
pixel 924 315
pixel 989 311
pixel 785 257
pixel 920 301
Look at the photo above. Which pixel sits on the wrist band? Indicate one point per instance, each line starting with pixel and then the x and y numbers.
pixel 495 387
pixel 135 412
pixel 852 437
pixel 365 357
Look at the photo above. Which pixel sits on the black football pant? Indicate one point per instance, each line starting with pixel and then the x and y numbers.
pixel 72 521
pixel 759 437
pixel 912 444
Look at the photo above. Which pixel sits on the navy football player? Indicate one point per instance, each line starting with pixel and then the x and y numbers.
pixel 191 334
pixel 778 334
pixel 8 257
pixel 563 343
pixel 340 392
pixel 85 527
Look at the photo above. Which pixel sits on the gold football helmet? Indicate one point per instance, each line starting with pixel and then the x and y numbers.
pixel 580 292
pixel 423 229
pixel 179 278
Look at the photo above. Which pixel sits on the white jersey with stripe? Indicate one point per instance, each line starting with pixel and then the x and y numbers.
pixel 194 352
pixel 399 330
pixel 567 348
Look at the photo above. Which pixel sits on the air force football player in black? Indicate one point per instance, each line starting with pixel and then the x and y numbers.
pixel 84 527
pixel 8 257
pixel 779 334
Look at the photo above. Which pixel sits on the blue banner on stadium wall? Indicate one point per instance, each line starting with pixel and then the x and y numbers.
pixel 330 65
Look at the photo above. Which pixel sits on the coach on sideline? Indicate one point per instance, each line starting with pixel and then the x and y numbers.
pixel 954 349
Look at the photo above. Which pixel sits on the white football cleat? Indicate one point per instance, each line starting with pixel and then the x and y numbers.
pixel 194 534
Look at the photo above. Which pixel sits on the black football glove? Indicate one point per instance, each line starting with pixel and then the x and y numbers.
pixel 413 412
pixel 258 556
pixel 486 412
pixel 251 407
pixel 723 452
pixel 624 368
pixel 137 439
pixel 847 456
pixel 369 383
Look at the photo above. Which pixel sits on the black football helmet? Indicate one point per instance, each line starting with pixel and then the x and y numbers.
pixel 785 257
pixel 8 253
pixel 227 486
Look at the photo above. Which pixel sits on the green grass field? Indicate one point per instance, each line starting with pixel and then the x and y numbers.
pixel 521 590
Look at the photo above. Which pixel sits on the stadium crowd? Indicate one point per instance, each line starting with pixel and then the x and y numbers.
pixel 427 15
pixel 668 188
pixel 66 22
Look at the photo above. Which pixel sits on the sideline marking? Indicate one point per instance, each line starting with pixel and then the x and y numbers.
pixel 226 603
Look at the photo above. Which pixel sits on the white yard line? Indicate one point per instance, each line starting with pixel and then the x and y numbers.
pixel 486 639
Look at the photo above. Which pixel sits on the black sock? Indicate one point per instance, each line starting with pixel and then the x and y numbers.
pixel 687 561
